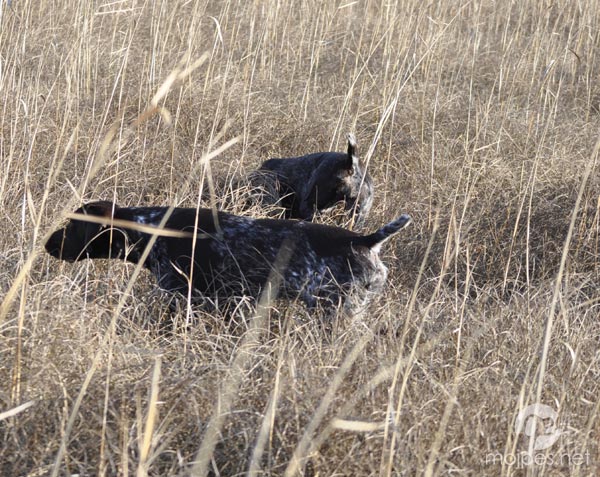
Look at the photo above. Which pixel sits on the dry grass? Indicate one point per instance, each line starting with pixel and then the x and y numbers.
pixel 480 121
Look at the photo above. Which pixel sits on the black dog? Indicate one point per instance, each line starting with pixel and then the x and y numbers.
pixel 233 256
pixel 318 181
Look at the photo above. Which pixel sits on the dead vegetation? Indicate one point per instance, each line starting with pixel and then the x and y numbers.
pixel 480 120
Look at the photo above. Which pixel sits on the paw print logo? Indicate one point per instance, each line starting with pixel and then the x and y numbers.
pixel 538 421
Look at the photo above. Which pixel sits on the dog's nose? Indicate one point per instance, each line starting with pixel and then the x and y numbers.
pixel 50 246
pixel 54 250
pixel 54 245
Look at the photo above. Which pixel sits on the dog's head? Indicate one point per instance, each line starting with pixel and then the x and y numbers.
pixel 81 239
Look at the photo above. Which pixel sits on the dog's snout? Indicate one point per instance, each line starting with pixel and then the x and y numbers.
pixel 55 246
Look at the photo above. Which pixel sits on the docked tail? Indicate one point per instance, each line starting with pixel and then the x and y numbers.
pixel 352 161
pixel 375 239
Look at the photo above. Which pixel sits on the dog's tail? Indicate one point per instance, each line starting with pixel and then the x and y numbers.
pixel 351 144
pixel 352 161
pixel 377 238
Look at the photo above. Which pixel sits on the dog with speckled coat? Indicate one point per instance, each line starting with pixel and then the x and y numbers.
pixel 233 256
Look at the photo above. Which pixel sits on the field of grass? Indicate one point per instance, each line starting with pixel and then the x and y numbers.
pixel 478 118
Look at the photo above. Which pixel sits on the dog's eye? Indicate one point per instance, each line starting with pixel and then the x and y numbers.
pixel 351 171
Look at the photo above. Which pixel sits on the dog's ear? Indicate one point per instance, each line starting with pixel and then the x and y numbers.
pixel 352 161
pixel 102 208
pixel 96 248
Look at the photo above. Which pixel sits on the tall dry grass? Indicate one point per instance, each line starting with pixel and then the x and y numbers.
pixel 480 119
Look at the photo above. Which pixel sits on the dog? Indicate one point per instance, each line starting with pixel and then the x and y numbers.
pixel 234 256
pixel 316 182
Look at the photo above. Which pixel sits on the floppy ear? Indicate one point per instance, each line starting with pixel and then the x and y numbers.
pixel 352 161
pixel 102 208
